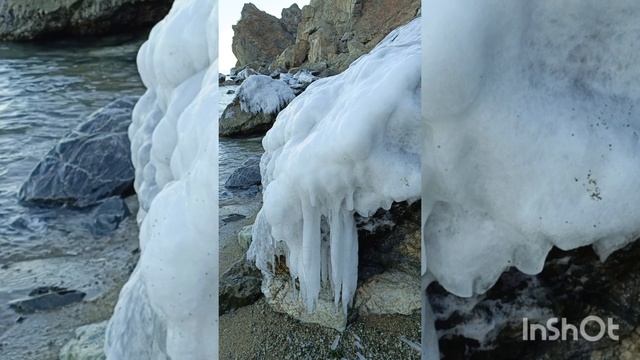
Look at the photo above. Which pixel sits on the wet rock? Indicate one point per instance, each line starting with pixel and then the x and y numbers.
pixel 239 286
pixel 27 20
pixel 221 78
pixel 108 215
pixel 392 292
pixel 245 237
pixel 90 163
pixel 46 298
pixel 229 92
pixel 246 176
pixel 88 343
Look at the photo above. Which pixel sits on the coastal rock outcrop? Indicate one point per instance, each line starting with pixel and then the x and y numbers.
pixel 258 37
pixel 332 34
pixel 27 20
pixel 90 163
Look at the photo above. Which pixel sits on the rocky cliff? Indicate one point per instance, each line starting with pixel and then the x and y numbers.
pixel 325 36
pixel 258 38
pixel 35 19
pixel 333 33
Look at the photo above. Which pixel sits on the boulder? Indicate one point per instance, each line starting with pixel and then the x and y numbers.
pixel 254 109
pixel 88 343
pixel 284 298
pixel 239 286
pixel 246 176
pixel 107 215
pixel 27 20
pixel 46 298
pixel 392 292
pixel 258 37
pixel 89 164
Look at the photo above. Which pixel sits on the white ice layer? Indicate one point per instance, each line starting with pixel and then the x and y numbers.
pixel 262 94
pixel 168 308
pixel 349 143
pixel 532 137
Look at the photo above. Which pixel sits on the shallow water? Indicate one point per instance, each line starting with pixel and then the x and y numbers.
pixel 45 91
pixel 233 152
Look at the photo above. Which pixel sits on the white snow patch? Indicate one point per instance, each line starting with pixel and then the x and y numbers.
pixel 167 309
pixel 349 144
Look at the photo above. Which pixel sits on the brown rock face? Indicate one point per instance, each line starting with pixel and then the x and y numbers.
pixel 258 38
pixel 333 33
pixel 27 20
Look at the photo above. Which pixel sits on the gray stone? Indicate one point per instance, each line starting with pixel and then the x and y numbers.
pixel 108 215
pixel 88 343
pixel 239 286
pixel 392 292
pixel 26 20
pixel 246 176
pixel 282 297
pixel 90 163
pixel 46 298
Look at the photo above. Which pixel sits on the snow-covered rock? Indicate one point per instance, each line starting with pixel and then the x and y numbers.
pixel 253 110
pixel 348 144
pixel 167 308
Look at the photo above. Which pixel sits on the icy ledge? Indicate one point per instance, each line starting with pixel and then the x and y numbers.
pixel 349 143
pixel 168 308
pixel 532 142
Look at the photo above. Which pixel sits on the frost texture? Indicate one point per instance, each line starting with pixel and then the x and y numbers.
pixel 532 136
pixel 349 143
pixel 168 308
pixel 262 94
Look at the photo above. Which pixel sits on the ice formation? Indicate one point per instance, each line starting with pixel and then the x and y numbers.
pixel 532 134
pixel 348 144
pixel 262 94
pixel 168 308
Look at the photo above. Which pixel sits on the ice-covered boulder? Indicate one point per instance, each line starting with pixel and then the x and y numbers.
pixel 166 310
pixel 88 343
pixel 90 163
pixel 349 144
pixel 246 176
pixel 254 109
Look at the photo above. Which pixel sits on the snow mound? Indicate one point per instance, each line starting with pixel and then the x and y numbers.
pixel 349 144
pixel 262 94
pixel 167 309
pixel 532 120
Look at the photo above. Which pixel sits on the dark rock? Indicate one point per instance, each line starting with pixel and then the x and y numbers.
pixel 91 163
pixel 573 285
pixel 246 176
pixel 46 298
pixel 221 78
pixel 233 217
pixel 108 215
pixel 229 92
pixel 290 18
pixel 239 286
pixel 26 20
